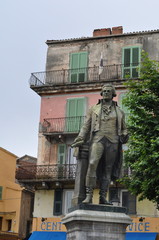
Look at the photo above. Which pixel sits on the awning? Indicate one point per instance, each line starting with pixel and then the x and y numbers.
pixel 39 235
pixel 140 236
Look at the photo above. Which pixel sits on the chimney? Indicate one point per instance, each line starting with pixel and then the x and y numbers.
pixel 117 30
pixel 102 32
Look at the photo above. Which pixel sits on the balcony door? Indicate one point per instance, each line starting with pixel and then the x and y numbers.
pixel 131 61
pixel 78 67
pixel 74 114
pixel 61 160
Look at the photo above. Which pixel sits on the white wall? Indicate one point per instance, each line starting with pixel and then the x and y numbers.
pixel 43 204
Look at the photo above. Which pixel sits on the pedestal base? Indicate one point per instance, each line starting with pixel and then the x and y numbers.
pixel 101 224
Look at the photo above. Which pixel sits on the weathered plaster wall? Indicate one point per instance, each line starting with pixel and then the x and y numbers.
pixel 55 106
pixel 43 203
pixel 110 47
pixel 146 208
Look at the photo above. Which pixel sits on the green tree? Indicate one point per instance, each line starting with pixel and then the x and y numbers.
pixel 142 155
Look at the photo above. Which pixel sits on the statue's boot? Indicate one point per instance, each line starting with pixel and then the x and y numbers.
pixel 103 193
pixel 102 197
pixel 89 195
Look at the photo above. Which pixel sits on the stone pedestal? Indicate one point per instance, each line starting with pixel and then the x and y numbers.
pixel 96 222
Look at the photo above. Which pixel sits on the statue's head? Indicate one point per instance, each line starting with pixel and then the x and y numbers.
pixel 108 86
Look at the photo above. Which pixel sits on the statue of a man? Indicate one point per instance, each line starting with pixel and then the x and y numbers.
pixel 105 126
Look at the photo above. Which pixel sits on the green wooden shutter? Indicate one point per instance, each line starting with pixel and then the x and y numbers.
pixel 135 56
pixel 82 66
pixel 135 61
pixel 126 62
pixel 58 202
pixel 127 57
pixel 75 113
pixel 78 66
pixel 1 189
pixel 61 153
pixel 75 107
pixel 131 60
pixel 74 67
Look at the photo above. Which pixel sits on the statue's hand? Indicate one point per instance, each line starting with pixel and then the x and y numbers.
pixel 124 138
pixel 77 142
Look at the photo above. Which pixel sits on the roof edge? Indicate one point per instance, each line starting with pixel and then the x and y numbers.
pixel 6 151
pixel 48 42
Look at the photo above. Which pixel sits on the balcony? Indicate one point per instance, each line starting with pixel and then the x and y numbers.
pixel 68 76
pixel 62 125
pixel 46 172
pixel 90 74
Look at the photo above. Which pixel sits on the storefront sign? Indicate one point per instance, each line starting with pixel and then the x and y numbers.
pixel 144 224
pixel 139 224
pixel 51 226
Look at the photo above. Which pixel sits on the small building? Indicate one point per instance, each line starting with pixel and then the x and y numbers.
pixel 10 194
pixel 75 71
pixel 27 196
pixel 16 202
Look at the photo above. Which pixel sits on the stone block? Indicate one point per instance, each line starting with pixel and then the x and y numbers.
pixel 95 224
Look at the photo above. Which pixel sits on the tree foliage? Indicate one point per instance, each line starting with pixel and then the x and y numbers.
pixel 142 155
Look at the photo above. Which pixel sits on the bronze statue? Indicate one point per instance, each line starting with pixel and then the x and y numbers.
pixel 105 126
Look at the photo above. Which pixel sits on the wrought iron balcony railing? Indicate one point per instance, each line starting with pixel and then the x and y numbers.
pixel 70 76
pixel 41 172
pixel 62 125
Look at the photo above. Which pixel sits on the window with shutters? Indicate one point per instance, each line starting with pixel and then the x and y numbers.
pixel 58 202
pixel 75 114
pixel 1 190
pixel 71 159
pixel 61 160
pixel 131 62
pixel 61 154
pixel 67 197
pixel 129 201
pixel 78 67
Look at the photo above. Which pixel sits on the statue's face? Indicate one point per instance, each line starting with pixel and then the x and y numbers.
pixel 107 93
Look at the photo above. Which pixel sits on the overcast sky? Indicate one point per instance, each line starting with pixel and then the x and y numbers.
pixel 25 25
